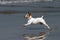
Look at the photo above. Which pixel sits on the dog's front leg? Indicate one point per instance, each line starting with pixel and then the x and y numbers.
pixel 27 24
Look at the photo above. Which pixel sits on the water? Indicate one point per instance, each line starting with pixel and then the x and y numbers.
pixel 5 2
pixel 11 25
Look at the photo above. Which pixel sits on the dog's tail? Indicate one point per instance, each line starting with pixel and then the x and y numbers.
pixel 42 16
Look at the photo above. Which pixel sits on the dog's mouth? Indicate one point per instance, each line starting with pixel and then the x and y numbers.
pixel 26 17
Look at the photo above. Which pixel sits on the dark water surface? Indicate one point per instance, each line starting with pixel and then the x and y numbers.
pixel 11 26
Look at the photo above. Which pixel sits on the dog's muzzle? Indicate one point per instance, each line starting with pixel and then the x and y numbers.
pixel 25 17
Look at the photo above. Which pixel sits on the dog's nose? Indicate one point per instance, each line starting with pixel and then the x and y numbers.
pixel 25 16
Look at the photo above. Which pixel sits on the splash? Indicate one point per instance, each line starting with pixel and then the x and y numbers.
pixel 41 36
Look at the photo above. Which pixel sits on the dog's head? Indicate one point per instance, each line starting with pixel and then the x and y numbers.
pixel 27 16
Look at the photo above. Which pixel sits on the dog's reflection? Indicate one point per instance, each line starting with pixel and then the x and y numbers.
pixel 41 36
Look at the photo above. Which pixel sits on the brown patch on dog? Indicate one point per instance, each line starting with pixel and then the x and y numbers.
pixel 27 16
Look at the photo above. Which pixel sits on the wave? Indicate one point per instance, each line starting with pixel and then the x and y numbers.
pixel 20 1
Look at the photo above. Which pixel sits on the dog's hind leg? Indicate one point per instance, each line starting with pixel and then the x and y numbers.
pixel 45 24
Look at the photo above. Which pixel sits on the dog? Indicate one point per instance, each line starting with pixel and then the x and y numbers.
pixel 38 20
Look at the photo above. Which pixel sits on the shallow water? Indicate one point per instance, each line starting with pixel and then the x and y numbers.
pixel 11 26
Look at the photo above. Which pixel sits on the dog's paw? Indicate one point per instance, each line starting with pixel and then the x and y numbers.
pixel 24 26
pixel 50 29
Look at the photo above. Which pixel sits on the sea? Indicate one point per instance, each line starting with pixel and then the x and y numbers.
pixel 12 20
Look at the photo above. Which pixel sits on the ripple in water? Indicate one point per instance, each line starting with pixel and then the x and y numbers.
pixel 40 36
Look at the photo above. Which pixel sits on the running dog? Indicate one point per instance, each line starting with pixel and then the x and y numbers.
pixel 32 20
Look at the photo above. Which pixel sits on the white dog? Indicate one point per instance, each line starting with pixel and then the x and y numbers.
pixel 32 20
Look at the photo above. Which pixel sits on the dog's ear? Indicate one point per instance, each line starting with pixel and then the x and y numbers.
pixel 29 13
